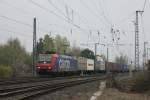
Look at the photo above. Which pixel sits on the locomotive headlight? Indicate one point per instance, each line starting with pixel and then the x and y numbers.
pixel 49 67
pixel 38 67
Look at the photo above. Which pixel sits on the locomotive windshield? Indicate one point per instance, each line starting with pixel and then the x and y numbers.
pixel 44 58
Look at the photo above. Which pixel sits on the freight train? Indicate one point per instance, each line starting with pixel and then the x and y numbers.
pixel 67 65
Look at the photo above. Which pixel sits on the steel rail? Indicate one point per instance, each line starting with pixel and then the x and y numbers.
pixel 32 91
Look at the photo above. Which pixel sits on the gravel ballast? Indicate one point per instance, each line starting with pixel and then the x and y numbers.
pixel 79 92
pixel 86 91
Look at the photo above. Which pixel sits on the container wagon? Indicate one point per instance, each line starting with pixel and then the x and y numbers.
pixel 85 65
pixel 109 66
pixel 116 67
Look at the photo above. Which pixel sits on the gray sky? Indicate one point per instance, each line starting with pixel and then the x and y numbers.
pixel 89 15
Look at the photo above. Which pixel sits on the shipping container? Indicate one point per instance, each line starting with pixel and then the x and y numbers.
pixel 85 64
pixel 113 67
pixel 66 63
pixel 125 67
pixel 90 64
pixel 109 66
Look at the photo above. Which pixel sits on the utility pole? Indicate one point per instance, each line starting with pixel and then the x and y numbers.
pixel 96 48
pixel 34 48
pixel 95 54
pixel 107 54
pixel 147 55
pixel 72 15
pixel 137 40
pixel 147 58
pixel 144 55
pixel 107 59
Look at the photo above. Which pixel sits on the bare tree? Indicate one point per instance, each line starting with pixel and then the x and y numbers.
pixel 123 59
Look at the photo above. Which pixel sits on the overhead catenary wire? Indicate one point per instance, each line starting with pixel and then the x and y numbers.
pixel 24 12
pixel 13 32
pixel 103 13
pixel 142 24
pixel 81 18
pixel 144 5
pixel 75 12
pixel 98 10
pixel 47 10
pixel 52 12
pixel 121 22
pixel 17 8
pixel 126 18
pixel 100 14
pixel 14 20
pixel 95 14
pixel 18 21
pixel 107 23
pixel 59 10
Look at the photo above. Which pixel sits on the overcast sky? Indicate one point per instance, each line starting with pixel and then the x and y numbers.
pixel 84 17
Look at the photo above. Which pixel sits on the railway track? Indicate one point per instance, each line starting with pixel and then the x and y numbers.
pixel 33 79
pixel 20 80
pixel 28 80
pixel 28 92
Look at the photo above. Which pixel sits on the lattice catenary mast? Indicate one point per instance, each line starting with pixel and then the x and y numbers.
pixel 137 40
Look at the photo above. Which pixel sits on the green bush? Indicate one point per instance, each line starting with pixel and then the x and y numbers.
pixel 141 82
pixel 6 71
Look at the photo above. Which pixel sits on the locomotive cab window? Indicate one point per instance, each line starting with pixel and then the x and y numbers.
pixel 44 58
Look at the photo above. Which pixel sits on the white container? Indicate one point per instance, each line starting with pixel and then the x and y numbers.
pixel 90 64
pixel 85 64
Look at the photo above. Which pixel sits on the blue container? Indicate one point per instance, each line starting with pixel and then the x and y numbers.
pixel 124 68
pixel 66 63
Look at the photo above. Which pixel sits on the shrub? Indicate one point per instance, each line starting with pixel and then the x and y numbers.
pixel 141 82
pixel 6 71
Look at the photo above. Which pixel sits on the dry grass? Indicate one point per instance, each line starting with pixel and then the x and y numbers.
pixel 139 83
pixel 114 94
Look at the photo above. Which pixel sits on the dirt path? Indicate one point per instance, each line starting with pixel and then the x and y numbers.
pixel 99 92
